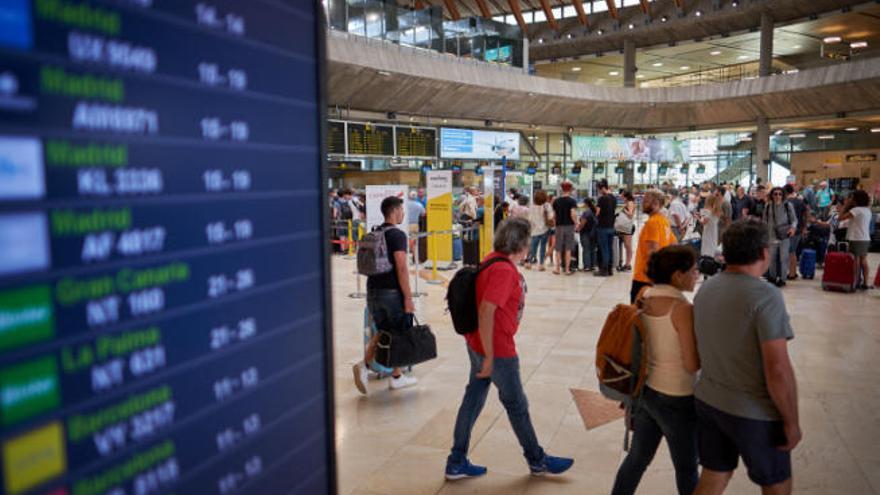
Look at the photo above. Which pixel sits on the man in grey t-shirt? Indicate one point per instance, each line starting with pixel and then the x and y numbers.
pixel 746 397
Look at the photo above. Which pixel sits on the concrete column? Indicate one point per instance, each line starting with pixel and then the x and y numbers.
pixel 762 149
pixel 765 63
pixel 525 56
pixel 629 64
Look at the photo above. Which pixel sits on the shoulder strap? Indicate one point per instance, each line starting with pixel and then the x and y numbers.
pixel 491 262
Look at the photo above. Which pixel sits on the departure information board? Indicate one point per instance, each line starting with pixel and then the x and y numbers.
pixel 416 141
pixel 335 137
pixel 370 139
pixel 163 324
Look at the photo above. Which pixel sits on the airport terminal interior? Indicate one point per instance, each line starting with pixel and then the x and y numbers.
pixel 420 247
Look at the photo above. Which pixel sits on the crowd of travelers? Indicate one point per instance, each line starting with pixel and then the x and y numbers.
pixel 720 386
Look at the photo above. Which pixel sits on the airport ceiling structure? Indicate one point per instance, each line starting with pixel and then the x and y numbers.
pixel 796 46
pixel 646 22
pixel 372 75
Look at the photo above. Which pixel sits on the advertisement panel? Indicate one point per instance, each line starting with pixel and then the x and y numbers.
pixel 478 145
pixel 597 148
pixel 439 192
pixel 375 195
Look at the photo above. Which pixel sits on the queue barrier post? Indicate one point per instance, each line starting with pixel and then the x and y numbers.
pixel 432 241
pixel 416 292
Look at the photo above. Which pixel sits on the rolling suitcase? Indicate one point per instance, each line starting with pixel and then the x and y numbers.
pixel 470 249
pixel 575 258
pixel 808 264
pixel 877 279
pixel 839 274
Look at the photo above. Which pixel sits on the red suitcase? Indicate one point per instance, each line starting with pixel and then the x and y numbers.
pixel 877 279
pixel 839 274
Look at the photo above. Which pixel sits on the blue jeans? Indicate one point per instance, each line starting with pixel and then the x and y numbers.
pixel 588 246
pixel 606 237
pixel 505 376
pixel 539 243
pixel 659 416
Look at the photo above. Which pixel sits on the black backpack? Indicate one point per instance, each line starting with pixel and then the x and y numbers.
pixel 461 297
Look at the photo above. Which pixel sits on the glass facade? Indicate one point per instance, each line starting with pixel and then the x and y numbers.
pixel 474 38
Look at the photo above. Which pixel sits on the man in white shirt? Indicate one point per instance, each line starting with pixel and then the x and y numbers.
pixel 678 215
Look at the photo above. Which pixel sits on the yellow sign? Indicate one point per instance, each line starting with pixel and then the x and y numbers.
pixel 33 458
pixel 440 214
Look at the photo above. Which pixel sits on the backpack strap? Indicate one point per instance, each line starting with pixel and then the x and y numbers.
pixel 491 262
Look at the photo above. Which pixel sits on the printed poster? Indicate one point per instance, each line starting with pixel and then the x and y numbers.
pixel 439 212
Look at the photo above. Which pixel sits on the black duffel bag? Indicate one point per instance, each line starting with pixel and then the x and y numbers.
pixel 412 344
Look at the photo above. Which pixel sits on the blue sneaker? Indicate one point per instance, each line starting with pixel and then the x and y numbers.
pixel 551 465
pixel 464 470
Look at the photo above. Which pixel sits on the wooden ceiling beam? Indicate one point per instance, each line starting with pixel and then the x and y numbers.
pixel 612 8
pixel 582 16
pixel 517 12
pixel 548 12
pixel 484 9
pixel 452 9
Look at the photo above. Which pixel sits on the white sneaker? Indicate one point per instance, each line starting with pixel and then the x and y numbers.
pixel 360 376
pixel 402 381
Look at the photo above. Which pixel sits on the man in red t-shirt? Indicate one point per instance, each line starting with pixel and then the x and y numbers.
pixel 501 294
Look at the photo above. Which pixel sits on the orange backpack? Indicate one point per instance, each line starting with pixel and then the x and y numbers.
pixel 622 354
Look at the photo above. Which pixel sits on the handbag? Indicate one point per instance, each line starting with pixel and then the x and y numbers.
pixel 411 344
pixel 623 224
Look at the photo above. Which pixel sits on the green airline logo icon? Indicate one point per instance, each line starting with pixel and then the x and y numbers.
pixel 26 316
pixel 28 389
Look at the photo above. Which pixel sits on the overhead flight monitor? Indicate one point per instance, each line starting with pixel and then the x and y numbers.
pixel 163 323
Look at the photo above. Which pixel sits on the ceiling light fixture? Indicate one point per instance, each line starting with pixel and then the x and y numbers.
pixel 734 4
pixel 826 136
pixel 657 64
pixel 797 135
pixel 698 13
pixel 575 69
pixel 664 19
pixel 384 73
pixel 445 121
pixel 742 57
pixel 715 52
pixel 831 39
pixel 640 76
pixel 614 73
pixel 778 132
pixel 746 138
pixel 875 129
pixel 631 26
pixel 685 67
pixel 852 129
pixel 859 44
pixel 600 32
pixel 796 47
pixel 540 40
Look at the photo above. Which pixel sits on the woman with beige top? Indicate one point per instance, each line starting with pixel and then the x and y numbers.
pixel 666 407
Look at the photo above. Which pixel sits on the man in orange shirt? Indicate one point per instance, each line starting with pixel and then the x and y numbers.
pixel 655 235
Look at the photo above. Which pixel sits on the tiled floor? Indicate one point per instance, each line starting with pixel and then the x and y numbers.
pixel 397 442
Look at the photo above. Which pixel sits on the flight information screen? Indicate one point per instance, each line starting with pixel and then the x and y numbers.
pixel 416 141
pixel 162 269
pixel 370 139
